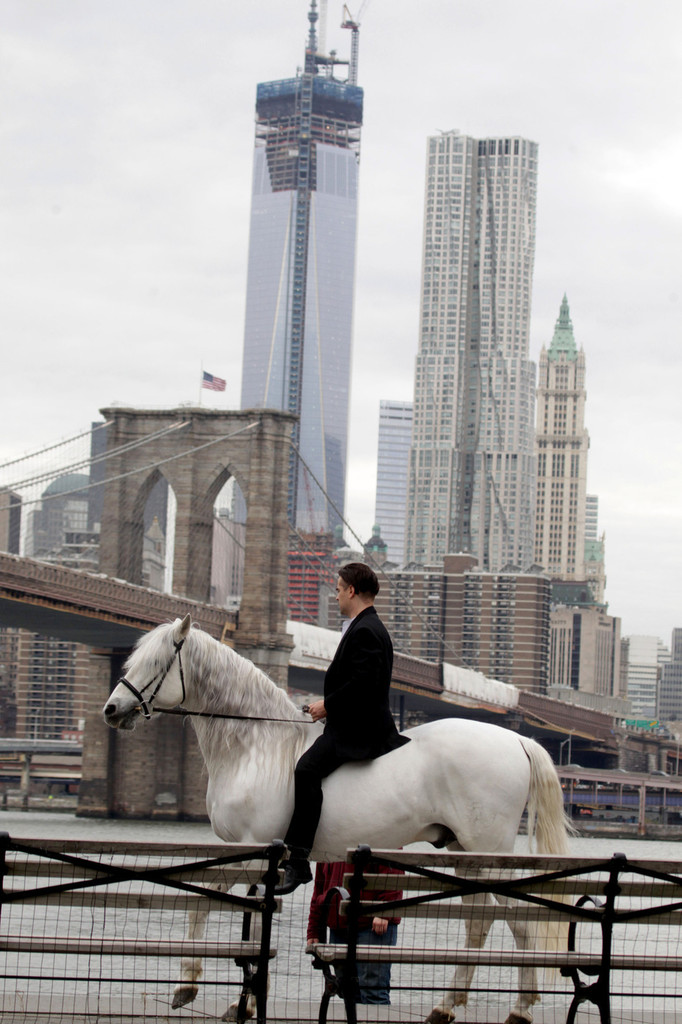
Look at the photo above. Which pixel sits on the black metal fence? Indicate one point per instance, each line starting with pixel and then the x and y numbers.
pixel 109 931
pixel 570 933
pixel 119 932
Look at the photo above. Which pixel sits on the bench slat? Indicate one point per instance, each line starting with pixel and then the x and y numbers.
pixel 50 945
pixel 232 875
pixel 642 888
pixel 517 911
pixel 198 851
pixel 463 912
pixel 108 900
pixel 496 958
pixel 534 864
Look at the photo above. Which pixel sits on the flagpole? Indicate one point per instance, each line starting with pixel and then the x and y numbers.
pixel 201 381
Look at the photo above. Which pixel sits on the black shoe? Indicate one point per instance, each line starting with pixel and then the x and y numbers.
pixel 296 872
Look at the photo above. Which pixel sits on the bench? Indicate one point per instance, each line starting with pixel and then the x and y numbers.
pixel 67 907
pixel 591 901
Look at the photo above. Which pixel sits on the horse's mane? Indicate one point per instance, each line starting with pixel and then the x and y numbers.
pixel 221 681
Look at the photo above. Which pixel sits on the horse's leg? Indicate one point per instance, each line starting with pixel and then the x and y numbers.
pixel 191 970
pixel 477 926
pixel 190 966
pixel 248 1009
pixel 525 938
pixel 244 1007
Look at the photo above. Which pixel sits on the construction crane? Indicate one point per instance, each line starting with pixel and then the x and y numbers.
pixel 322 28
pixel 354 25
pixel 317 41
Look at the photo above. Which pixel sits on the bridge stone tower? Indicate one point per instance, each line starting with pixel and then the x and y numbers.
pixel 197 450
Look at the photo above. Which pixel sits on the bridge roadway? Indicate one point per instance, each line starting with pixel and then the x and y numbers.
pixel 110 614
pixel 18 746
pixel 53 760
pixel 92 609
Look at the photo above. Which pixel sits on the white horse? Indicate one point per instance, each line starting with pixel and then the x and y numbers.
pixel 459 783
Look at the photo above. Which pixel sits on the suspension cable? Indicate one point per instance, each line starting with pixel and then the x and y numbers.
pixel 102 457
pixel 137 469
pixel 58 444
pixel 389 580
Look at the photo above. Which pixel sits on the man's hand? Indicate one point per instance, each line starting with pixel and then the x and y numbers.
pixel 317 710
pixel 379 925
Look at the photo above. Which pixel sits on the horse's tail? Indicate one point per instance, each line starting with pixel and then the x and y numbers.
pixel 548 826
pixel 548 830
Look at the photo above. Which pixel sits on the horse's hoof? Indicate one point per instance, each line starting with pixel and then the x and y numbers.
pixel 184 994
pixel 439 1017
pixel 231 1013
pixel 515 1018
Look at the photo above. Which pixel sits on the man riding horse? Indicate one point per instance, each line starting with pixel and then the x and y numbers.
pixel 358 721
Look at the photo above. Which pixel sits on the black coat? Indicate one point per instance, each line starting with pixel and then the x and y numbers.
pixel 356 686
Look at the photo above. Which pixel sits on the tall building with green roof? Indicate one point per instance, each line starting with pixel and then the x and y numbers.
pixel 562 444
pixel 584 638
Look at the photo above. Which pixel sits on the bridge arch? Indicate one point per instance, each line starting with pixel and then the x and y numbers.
pixel 197 450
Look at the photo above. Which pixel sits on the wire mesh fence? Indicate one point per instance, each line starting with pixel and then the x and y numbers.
pixel 547 937
pixel 124 931
pixel 119 932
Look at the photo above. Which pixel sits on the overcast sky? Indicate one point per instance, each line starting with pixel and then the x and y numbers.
pixel 126 140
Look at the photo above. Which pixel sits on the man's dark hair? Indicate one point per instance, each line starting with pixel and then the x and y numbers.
pixel 360 577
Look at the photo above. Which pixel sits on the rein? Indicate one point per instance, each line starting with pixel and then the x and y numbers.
pixel 218 714
pixel 147 709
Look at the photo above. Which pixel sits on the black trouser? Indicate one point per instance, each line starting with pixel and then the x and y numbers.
pixel 316 764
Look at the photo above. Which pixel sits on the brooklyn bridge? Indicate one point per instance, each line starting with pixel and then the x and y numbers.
pixel 196 452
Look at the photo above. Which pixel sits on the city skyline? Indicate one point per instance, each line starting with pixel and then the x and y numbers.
pixel 126 175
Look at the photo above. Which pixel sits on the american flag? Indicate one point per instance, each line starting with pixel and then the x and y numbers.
pixel 212 383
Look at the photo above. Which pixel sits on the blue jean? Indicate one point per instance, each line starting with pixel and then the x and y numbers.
pixel 374 979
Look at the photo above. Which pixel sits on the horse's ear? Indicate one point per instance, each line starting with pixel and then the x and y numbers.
pixel 181 630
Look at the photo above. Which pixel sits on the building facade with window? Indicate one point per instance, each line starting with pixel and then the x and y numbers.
pixel 585 650
pixel 393 459
pixel 493 623
pixel 567 542
pixel 670 686
pixel 644 657
pixel 472 462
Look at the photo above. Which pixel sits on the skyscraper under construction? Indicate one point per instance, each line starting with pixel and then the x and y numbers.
pixel 299 305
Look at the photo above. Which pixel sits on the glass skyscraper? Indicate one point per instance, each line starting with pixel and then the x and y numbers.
pixel 299 304
pixel 472 465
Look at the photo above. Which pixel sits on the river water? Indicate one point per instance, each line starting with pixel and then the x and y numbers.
pixel 292 976
pixel 45 825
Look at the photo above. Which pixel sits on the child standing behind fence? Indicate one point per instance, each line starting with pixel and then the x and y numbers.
pixel 374 978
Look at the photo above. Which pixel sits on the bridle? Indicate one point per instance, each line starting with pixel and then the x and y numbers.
pixel 146 705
